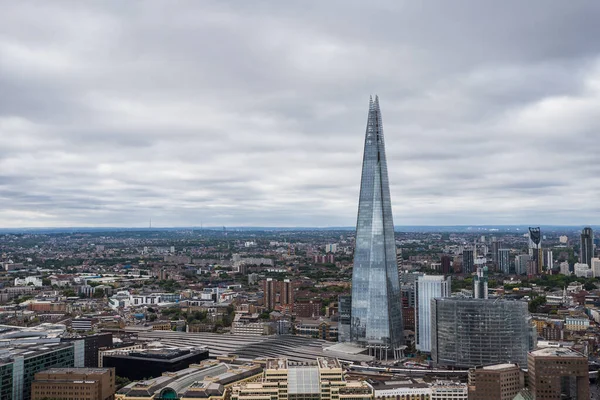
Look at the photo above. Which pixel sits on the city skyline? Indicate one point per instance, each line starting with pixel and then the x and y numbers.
pixel 115 113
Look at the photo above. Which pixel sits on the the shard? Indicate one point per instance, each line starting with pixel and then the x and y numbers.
pixel 376 315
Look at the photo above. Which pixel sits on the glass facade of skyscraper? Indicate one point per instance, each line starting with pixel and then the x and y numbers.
pixel 428 287
pixel 376 319
pixel 470 332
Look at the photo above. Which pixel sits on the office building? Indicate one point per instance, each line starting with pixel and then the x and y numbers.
pixel 344 310
pixel 428 287
pixel 535 249
pixel 74 383
pixel 521 263
pixel 470 332
pixel 498 382
pixel 586 251
pixel 91 344
pixel 23 361
pixel 376 309
pixel 83 324
pixel 285 380
pixel 480 283
pixel 558 373
pixel 148 363
pixel 504 261
pixel 468 261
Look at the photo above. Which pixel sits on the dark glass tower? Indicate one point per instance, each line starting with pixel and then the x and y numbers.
pixel 587 246
pixel 376 318
pixel 535 248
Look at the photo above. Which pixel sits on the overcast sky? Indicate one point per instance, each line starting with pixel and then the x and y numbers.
pixel 253 113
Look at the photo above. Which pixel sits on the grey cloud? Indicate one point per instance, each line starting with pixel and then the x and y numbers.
pixel 236 113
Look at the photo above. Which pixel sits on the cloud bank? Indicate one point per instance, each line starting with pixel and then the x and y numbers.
pixel 253 113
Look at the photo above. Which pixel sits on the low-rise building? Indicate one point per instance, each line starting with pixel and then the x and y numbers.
pixel 148 363
pixel 499 382
pixel 317 328
pixel 577 324
pixel 211 380
pixel 286 380
pixel 251 324
pixel 74 383
pixel 29 281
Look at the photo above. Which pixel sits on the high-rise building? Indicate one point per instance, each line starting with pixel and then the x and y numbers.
pixel 74 383
pixel 586 252
pixel 470 332
pixel 596 267
pixel 504 260
pixel 92 343
pixel 468 261
pixel 582 270
pixel 428 287
pixel 558 373
pixel 521 263
pixel 548 259
pixel 495 248
pixel 269 293
pixel 446 262
pixel 376 309
pixel 499 382
pixel 535 248
pixel 278 293
pixel 344 309
pixel 480 283
pixel 287 293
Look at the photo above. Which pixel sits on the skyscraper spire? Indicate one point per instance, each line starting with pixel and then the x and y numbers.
pixel 376 318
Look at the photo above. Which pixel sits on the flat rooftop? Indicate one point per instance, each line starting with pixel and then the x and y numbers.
pixel 76 371
pixel 500 366
pixel 556 352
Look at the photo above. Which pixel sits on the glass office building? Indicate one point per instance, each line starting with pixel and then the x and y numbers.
pixel 376 316
pixel 428 287
pixel 471 332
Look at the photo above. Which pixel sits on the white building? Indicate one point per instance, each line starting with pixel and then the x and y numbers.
pixel 439 390
pixel 448 390
pixel 331 248
pixel 596 267
pixel 428 287
pixel 582 270
pixel 521 263
pixel 564 268
pixel 563 239
pixel 34 280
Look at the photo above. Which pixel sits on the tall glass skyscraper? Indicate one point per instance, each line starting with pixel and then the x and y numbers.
pixel 376 317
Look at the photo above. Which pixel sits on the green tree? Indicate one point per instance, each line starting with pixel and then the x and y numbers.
pixel 536 302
